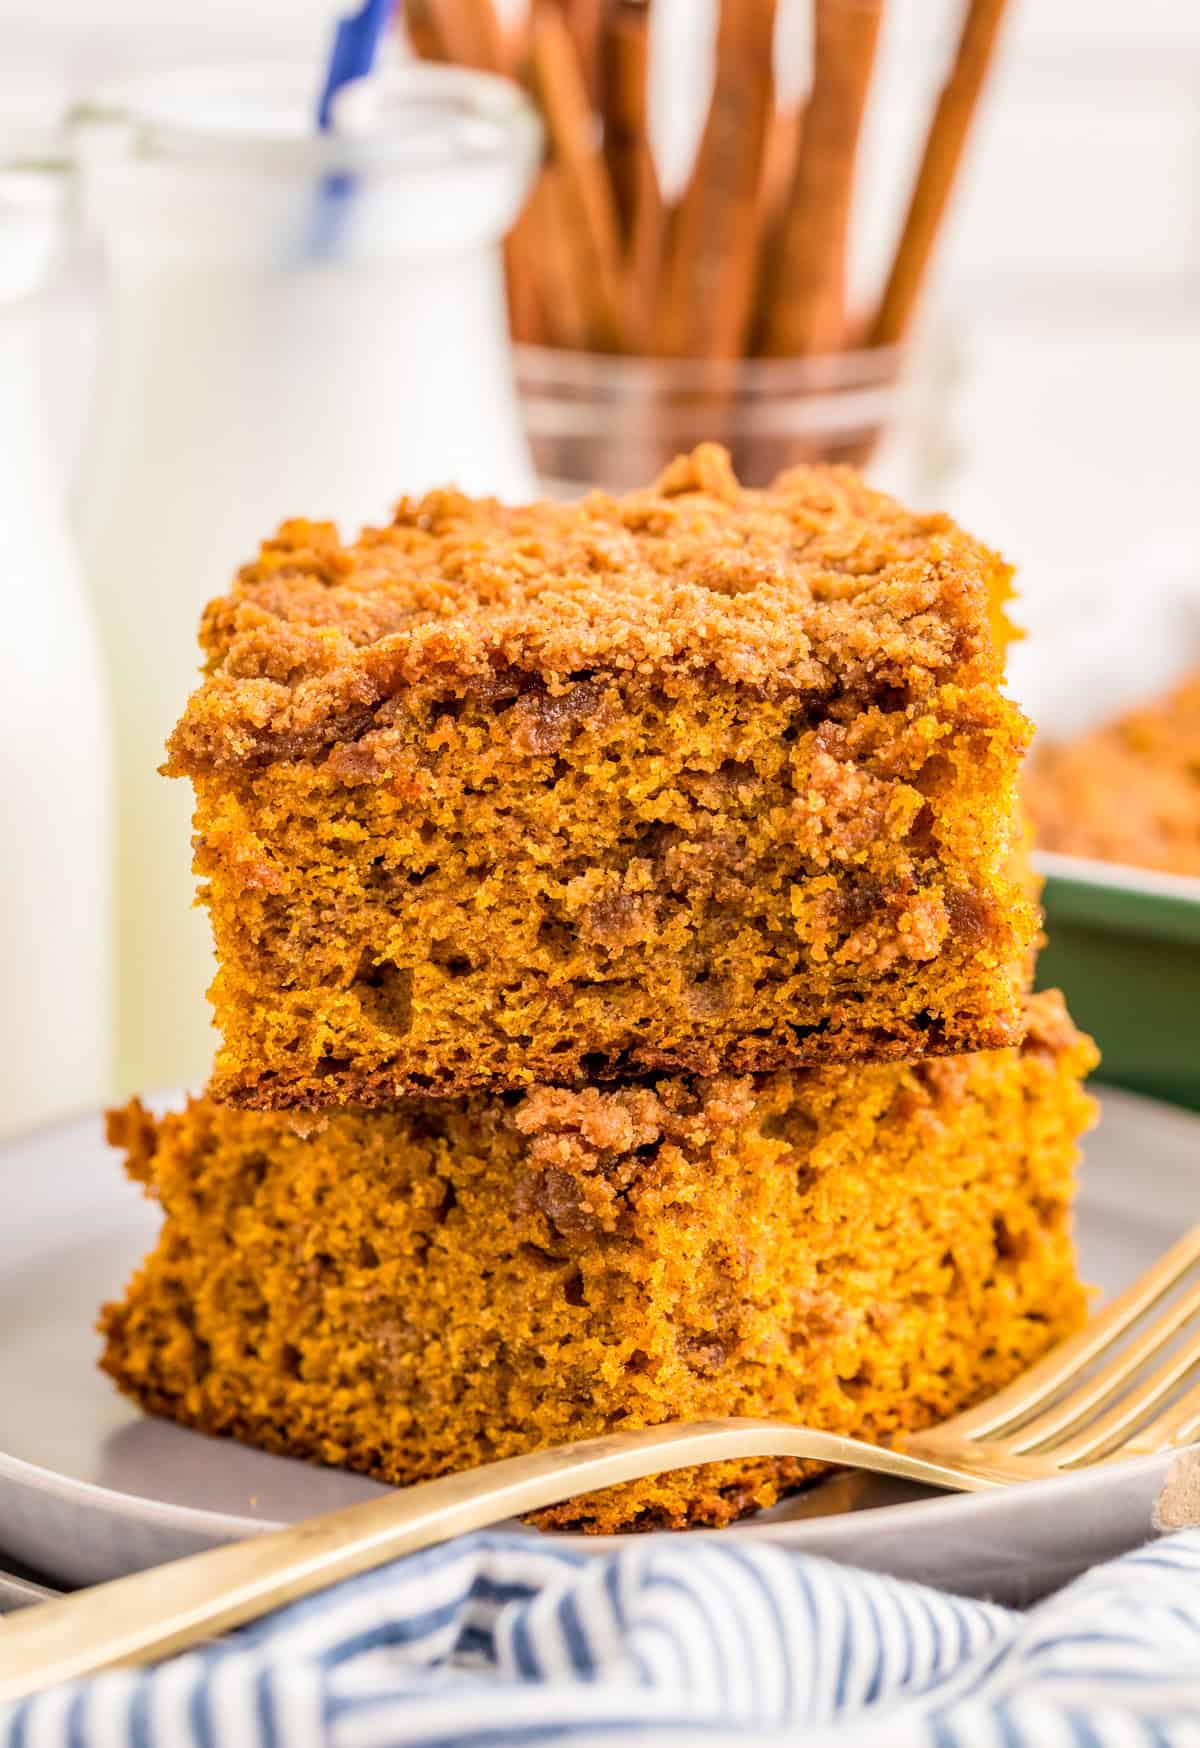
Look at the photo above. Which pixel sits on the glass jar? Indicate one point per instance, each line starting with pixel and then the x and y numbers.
pixel 55 925
pixel 615 421
pixel 297 324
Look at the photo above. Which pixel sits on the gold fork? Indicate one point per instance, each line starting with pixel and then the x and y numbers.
pixel 1089 1401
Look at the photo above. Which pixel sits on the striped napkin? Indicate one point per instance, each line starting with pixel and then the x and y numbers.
pixel 506 1639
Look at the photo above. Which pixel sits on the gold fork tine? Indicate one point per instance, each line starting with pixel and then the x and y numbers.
pixel 1177 1425
pixel 1051 1427
pixel 1103 1433
pixel 1042 1381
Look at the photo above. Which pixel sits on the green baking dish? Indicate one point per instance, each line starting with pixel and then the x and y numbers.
pixel 1124 946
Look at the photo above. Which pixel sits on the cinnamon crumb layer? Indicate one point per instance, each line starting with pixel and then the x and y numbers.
pixel 693 780
pixel 418 1289
pixel 819 587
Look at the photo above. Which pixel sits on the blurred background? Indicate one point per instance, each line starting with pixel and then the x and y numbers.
pixel 169 399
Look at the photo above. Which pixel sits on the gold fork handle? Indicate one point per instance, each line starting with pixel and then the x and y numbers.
pixel 150 1614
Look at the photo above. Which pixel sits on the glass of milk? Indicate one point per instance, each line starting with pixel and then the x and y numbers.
pixel 298 324
pixel 55 926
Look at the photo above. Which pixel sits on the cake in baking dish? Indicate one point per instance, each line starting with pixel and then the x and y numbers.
pixel 1127 791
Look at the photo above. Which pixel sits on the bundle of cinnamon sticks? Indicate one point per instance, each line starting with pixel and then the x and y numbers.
pixel 750 259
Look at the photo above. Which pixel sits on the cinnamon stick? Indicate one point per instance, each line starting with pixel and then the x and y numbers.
pixel 586 205
pixel 940 161
pixel 585 21
pixel 564 305
pixel 625 57
pixel 705 308
pixel 778 173
pixel 627 150
pixel 471 33
pixel 420 28
pixel 649 246
pixel 527 313
pixel 805 303
pixel 774 188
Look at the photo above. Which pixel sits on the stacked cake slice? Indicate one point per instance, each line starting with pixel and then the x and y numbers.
pixel 624 944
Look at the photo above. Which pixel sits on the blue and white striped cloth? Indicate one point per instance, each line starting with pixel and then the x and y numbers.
pixel 502 1639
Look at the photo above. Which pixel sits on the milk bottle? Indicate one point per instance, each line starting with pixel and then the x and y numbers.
pixel 55 931
pixel 297 324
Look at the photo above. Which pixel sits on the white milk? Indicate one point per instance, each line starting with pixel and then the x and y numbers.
pixel 271 350
pixel 54 751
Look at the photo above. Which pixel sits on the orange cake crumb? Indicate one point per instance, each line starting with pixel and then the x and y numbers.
pixel 1127 792
pixel 699 780
pixel 419 1288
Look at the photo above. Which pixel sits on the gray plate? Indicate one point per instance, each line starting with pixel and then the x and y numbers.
pixel 90 1489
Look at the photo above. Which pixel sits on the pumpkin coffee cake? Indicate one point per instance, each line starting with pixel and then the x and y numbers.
pixel 420 1288
pixel 696 781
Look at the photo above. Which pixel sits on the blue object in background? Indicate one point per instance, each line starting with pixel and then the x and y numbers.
pixel 355 44
pixel 356 40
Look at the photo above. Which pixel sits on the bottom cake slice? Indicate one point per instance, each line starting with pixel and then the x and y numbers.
pixel 423 1288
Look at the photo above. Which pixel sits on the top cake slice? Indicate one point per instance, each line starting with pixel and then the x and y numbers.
pixel 697 779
